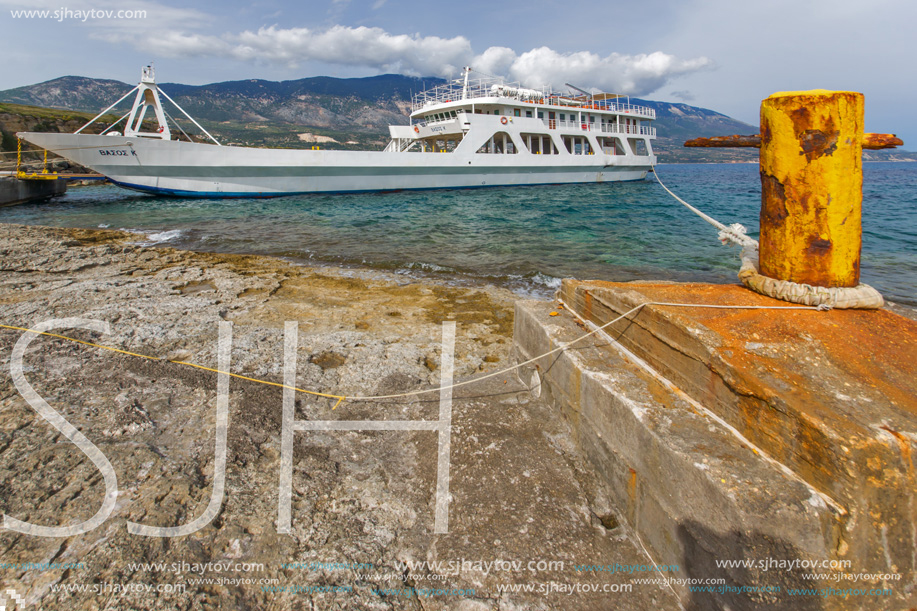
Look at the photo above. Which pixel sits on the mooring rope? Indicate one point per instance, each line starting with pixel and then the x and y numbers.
pixel 861 296
pixel 414 393
pixel 736 232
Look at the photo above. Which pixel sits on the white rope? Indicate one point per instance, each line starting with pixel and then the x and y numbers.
pixel 190 118
pixel 861 296
pixel 735 233
pixel 580 338
pixel 101 114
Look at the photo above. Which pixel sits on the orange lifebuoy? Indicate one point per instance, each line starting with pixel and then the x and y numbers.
pixel 416 130
pixel 503 120
pixel 161 129
pixel 584 126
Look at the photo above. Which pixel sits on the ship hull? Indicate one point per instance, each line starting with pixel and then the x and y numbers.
pixel 189 169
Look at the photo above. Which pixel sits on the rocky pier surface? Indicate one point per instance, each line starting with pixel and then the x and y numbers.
pixel 524 510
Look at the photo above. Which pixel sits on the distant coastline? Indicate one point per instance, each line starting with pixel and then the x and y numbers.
pixel 366 130
pixel 345 114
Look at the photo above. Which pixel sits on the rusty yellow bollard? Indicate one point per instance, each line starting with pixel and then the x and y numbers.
pixel 812 187
pixel 811 198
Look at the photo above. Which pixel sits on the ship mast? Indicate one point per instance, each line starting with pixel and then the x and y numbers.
pixel 147 97
pixel 467 70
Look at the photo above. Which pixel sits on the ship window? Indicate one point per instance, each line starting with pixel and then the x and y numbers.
pixel 528 113
pixel 439 145
pixel 517 112
pixel 638 146
pixel 577 145
pixel 499 143
pixel 539 144
pixel 611 146
pixel 541 115
pixel 563 117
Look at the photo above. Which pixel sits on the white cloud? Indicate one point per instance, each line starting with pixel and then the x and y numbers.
pixel 361 46
pixel 631 74
pixel 175 44
pixel 496 61
pixel 426 56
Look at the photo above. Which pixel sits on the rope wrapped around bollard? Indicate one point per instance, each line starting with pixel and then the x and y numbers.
pixel 861 296
pixel 811 171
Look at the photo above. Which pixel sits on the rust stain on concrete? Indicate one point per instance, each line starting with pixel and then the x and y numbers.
pixel 876 348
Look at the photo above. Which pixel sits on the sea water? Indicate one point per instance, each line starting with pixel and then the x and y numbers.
pixel 524 238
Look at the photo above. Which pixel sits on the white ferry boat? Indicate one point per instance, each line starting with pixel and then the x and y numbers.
pixel 473 132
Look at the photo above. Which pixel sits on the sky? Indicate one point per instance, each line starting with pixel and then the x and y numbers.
pixel 725 55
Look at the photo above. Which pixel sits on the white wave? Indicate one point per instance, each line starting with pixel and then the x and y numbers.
pixel 428 267
pixel 157 237
pixel 165 236
pixel 550 282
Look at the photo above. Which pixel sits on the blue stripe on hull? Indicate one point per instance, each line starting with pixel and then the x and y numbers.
pixel 202 194
pixel 262 195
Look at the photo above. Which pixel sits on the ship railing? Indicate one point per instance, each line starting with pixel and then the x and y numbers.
pixel 422 123
pixel 643 112
pixel 483 87
pixel 639 130
pixel 627 109
pixel 455 94
pixel 617 107
pixel 610 128
pixel 399 145
pixel 478 87
pixel 394 146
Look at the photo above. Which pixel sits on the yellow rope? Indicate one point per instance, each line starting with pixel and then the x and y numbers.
pixel 153 358
pixel 414 393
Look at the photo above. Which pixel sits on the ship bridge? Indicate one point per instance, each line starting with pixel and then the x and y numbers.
pixel 482 90
pixel 500 117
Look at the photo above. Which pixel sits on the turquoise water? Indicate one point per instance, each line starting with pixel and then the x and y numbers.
pixel 525 238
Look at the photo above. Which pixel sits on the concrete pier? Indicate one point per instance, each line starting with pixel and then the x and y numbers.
pixel 742 435
pixel 15 191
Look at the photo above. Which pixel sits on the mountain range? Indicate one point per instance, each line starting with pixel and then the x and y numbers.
pixel 341 113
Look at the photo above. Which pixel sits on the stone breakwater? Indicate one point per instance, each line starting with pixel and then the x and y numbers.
pixel 518 489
